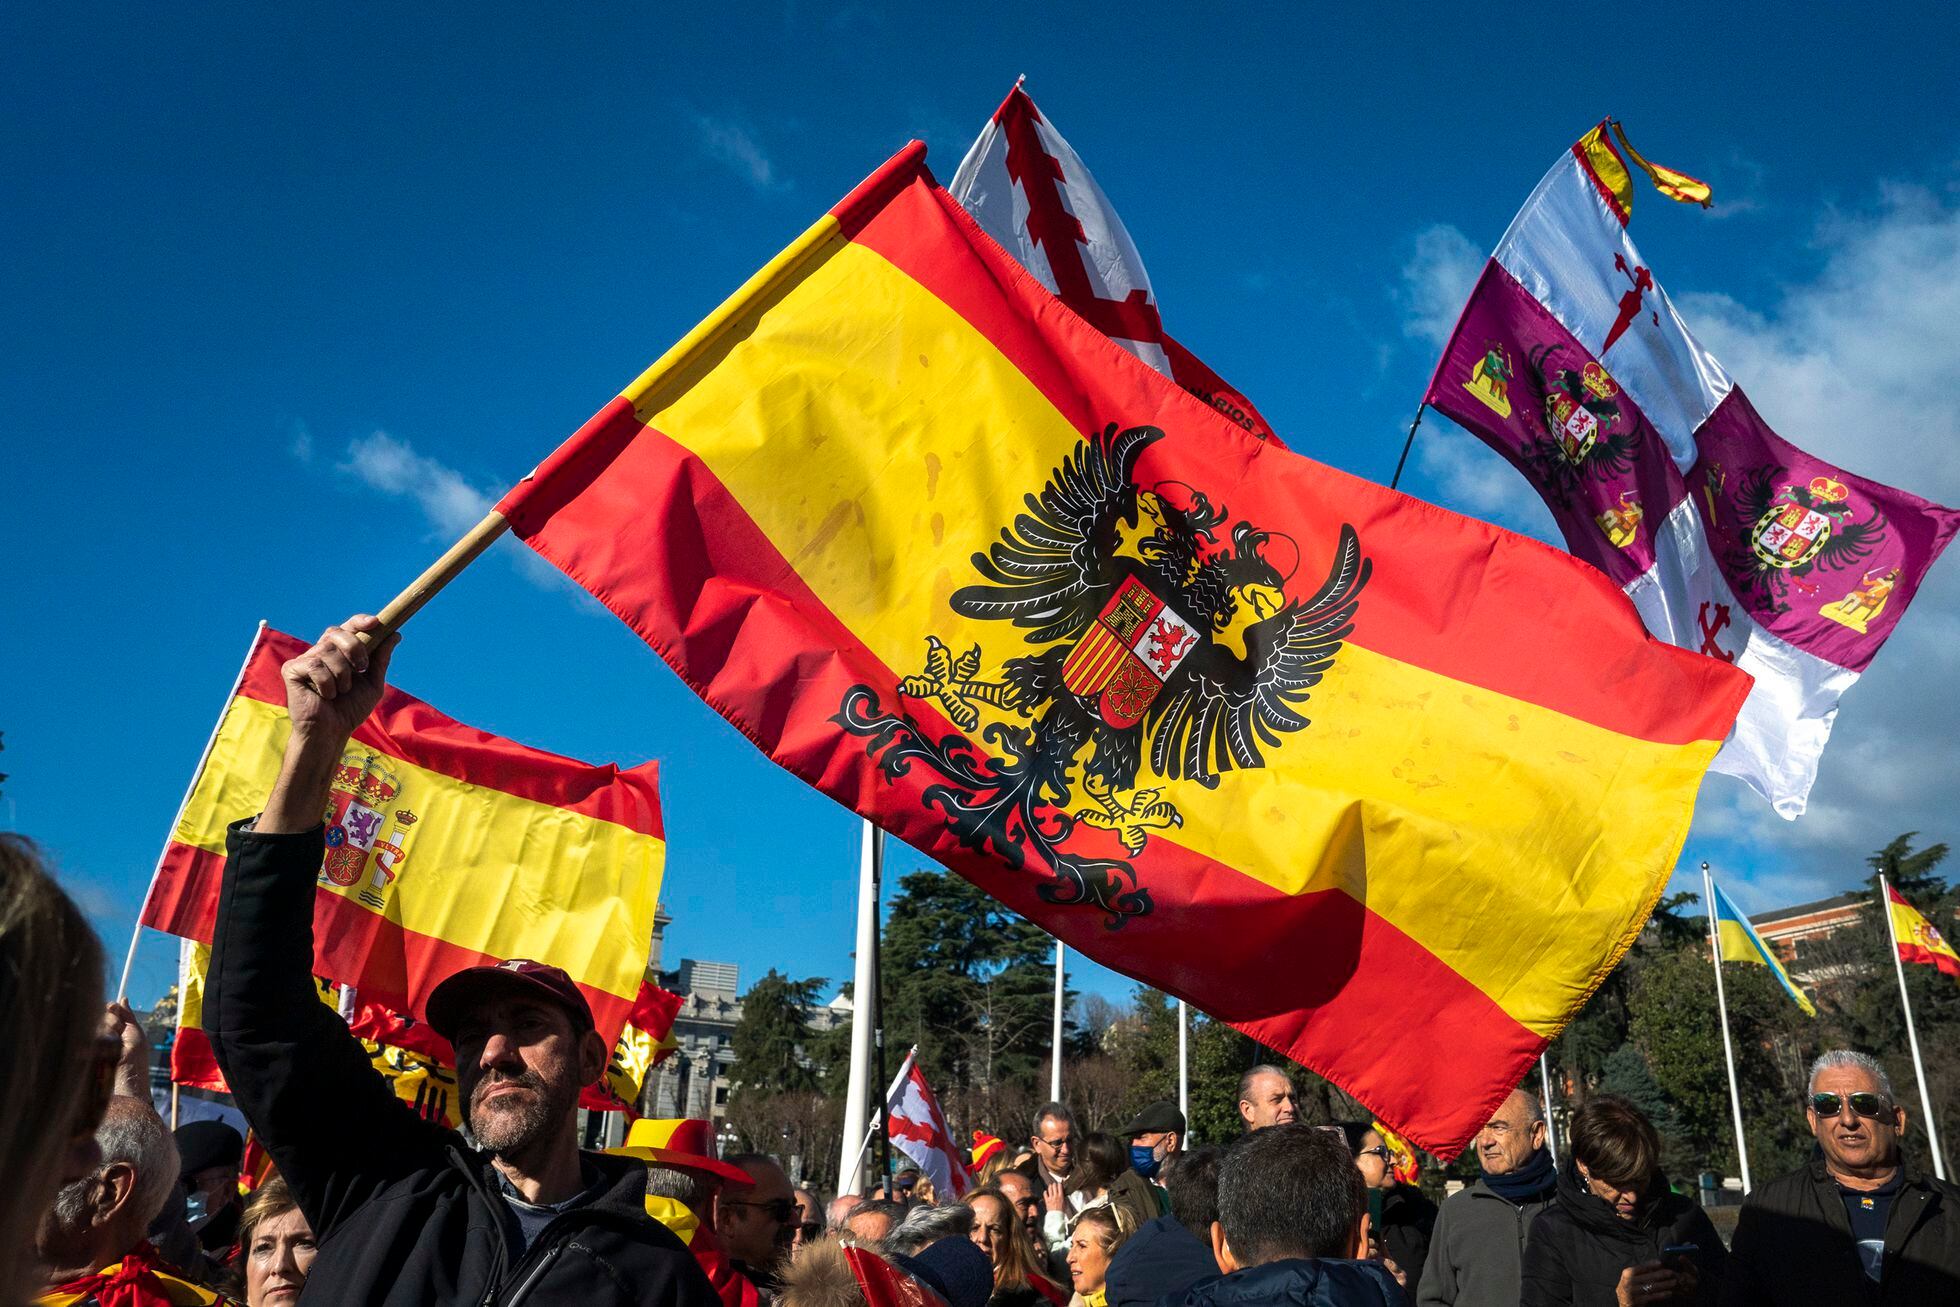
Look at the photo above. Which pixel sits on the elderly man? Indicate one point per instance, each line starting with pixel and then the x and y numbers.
pixel 1292 1227
pixel 872 1221
pixel 407 1212
pixel 92 1241
pixel 1267 1097
pixel 1859 1224
pixel 1476 1251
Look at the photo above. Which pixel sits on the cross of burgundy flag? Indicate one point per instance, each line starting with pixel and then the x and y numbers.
pixel 1571 362
pixel 918 1129
pixel 1028 190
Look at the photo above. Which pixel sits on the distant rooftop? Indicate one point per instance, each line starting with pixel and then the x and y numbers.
pixel 1775 915
pixel 709 977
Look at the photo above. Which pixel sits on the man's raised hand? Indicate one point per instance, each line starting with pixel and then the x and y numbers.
pixel 332 687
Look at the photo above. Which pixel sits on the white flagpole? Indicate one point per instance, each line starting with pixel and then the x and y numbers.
pixel 1912 1035
pixel 857 1107
pixel 1055 1064
pixel 1183 1069
pixel 135 936
pixel 1551 1121
pixel 1722 1002
pixel 878 1115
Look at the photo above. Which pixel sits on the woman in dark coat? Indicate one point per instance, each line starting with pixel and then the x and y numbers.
pixel 1401 1216
pixel 1605 1241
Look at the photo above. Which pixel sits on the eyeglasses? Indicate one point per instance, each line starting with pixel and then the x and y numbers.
pixel 1864 1104
pixel 1379 1150
pixel 1062 1145
pixel 810 1230
pixel 98 1085
pixel 781 1210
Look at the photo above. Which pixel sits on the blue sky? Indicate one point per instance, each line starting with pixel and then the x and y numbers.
pixel 292 290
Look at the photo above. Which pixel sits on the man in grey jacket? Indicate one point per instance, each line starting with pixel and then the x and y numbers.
pixel 1477 1248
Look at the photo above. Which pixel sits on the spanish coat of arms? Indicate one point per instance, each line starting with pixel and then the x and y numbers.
pixel 1162 639
pixel 1581 411
pixel 1794 531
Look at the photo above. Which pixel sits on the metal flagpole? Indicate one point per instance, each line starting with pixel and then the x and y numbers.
pixel 1407 445
pixel 877 839
pixel 1551 1121
pixel 1183 1070
pixel 878 1116
pixel 1055 1062
pixel 856 1097
pixel 1722 1002
pixel 1912 1034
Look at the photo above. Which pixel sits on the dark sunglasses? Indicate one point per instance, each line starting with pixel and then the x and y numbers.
pixel 781 1210
pixel 1864 1104
pixel 1379 1150
pixel 98 1085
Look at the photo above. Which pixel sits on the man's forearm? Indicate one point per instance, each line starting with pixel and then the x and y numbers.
pixel 299 797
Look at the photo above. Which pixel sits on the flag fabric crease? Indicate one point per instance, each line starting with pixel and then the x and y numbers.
pixel 1571 361
pixel 446 848
pixel 1319 758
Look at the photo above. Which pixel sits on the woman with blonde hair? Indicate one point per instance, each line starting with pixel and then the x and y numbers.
pixel 60 1071
pixel 998 1231
pixel 275 1247
pixel 1097 1234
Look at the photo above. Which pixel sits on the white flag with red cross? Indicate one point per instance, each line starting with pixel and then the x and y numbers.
pixel 1028 190
pixel 918 1130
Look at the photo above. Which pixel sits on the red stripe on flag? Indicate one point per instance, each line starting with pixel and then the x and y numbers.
pixel 391 966
pixel 1655 692
pixel 751 634
pixel 193 1064
pixel 405 728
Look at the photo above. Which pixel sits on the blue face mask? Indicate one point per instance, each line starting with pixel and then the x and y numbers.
pixel 1145 1161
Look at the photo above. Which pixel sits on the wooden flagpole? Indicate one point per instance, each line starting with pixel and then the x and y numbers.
pixel 441 572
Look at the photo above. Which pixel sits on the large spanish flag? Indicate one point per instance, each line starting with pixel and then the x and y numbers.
pixel 1384 787
pixel 446 847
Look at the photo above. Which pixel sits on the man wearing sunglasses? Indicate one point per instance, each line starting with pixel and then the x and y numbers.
pixel 757 1221
pixel 1860 1223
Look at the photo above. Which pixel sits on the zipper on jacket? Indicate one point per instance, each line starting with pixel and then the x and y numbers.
pixel 523 1290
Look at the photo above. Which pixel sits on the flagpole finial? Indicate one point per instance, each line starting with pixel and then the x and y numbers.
pixel 1704 866
pixel 1017 81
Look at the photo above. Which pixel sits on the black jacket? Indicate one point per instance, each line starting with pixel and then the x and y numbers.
pixel 1304 1282
pixel 1408 1218
pixel 1578 1247
pixel 1161 1260
pixel 405 1212
pixel 1793 1245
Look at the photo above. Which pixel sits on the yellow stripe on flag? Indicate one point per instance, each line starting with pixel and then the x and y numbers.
pixel 503 875
pixel 882 531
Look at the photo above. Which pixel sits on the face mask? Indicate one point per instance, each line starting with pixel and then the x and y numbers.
pixel 1145 1161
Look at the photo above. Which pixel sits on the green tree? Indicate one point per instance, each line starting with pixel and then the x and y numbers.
pixel 1676 1029
pixel 769 1039
pixel 972 985
pixel 1911 873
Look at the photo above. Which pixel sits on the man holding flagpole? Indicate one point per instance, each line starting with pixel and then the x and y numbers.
pixel 406 1212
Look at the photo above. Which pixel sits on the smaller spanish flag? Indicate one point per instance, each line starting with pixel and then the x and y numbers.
pixel 447 847
pixel 1918 940
pixel 1738 941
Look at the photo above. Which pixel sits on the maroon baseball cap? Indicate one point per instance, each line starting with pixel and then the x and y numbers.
pixel 453 999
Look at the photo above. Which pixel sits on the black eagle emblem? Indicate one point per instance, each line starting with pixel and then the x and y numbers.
pixel 1163 637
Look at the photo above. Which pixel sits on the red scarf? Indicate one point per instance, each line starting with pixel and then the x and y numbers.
pixel 141 1279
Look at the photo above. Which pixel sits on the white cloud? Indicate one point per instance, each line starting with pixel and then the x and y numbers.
pixel 1857 364
pixel 449 501
pixel 732 144
pixel 447 498
pixel 1436 281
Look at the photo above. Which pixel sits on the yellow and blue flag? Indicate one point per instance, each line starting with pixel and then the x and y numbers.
pixel 1739 942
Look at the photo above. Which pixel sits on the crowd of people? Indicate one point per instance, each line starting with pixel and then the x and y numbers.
pixel 368 1203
